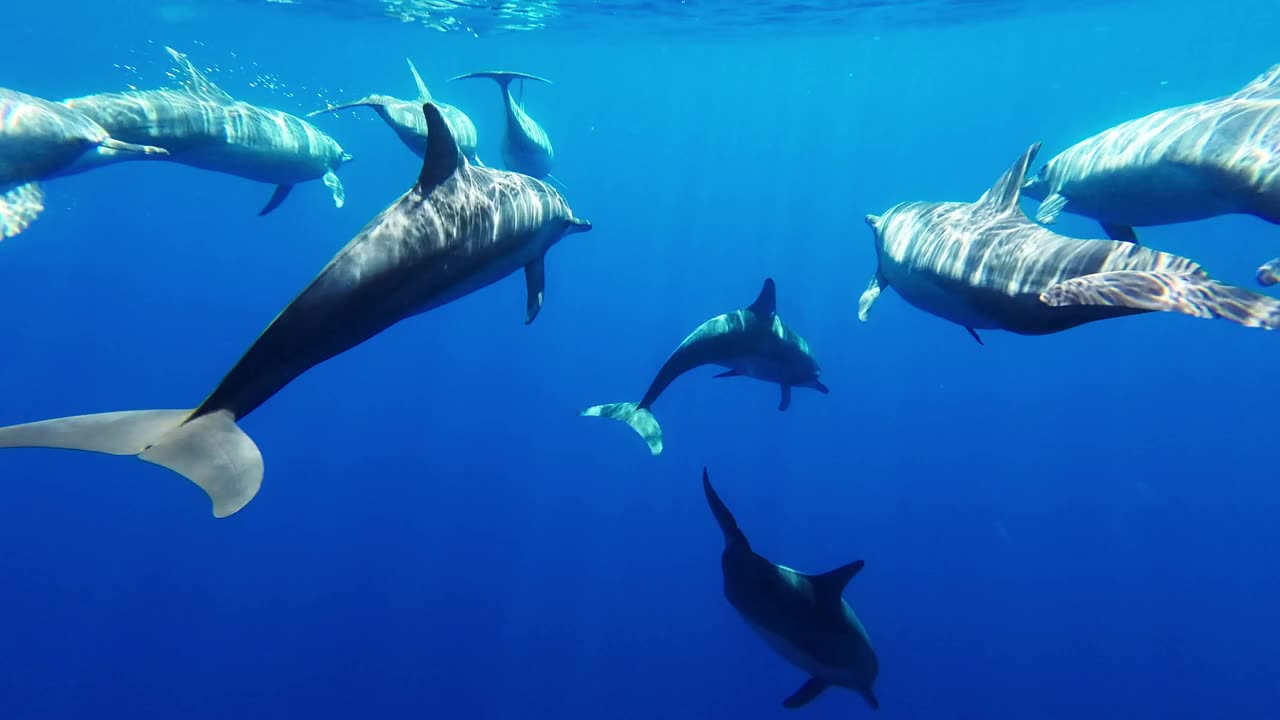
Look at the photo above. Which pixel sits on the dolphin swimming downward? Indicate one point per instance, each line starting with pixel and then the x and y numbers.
pixel 458 229
pixel 986 265
pixel 525 145
pixel 804 618
pixel 753 342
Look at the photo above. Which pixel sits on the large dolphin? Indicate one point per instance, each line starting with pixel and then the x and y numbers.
pixel 752 342
pixel 986 265
pixel 1187 163
pixel 804 618
pixel 404 117
pixel 525 145
pixel 202 126
pixel 458 229
pixel 40 140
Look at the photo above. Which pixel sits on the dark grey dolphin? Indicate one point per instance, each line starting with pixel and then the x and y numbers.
pixel 1187 163
pixel 986 265
pixel 525 145
pixel 404 117
pixel 753 342
pixel 804 618
pixel 202 126
pixel 40 140
pixel 457 230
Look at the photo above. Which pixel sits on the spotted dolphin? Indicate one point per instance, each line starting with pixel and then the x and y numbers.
pixel 752 342
pixel 525 145
pixel 202 126
pixel 40 140
pixel 986 265
pixel 458 229
pixel 804 618
pixel 1187 163
pixel 404 117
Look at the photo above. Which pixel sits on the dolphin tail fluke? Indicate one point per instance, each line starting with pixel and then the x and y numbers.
pixel 640 420
pixel 19 207
pixel 1192 294
pixel 277 197
pixel 119 146
pixel 503 78
pixel 210 451
pixel 733 535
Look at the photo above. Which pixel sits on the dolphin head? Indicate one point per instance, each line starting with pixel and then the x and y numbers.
pixel 576 225
pixel 815 383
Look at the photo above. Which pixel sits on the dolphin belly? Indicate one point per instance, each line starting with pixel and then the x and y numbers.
pixel 948 301
pixel 1161 193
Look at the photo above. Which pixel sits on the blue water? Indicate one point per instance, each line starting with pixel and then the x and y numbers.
pixel 1077 525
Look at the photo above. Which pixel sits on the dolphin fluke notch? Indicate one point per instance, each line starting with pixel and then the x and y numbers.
pixel 19 207
pixel 1194 294
pixel 210 451
pixel 733 535
pixel 639 419
pixel 442 158
pixel 1003 196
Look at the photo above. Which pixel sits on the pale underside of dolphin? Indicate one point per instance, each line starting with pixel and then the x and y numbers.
pixel 526 148
pixel 458 229
pixel 41 140
pixel 752 342
pixel 404 117
pixel 203 126
pixel 804 618
pixel 1187 163
pixel 986 265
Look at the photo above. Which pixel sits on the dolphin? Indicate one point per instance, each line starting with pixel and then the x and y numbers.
pixel 40 140
pixel 202 126
pixel 804 618
pixel 525 146
pixel 753 342
pixel 458 229
pixel 986 265
pixel 405 118
pixel 1186 163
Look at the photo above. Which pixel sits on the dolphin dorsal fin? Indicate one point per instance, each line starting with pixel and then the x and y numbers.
pixel 728 526
pixel 424 95
pixel 766 304
pixel 442 158
pixel 196 83
pixel 832 584
pixel 1003 196
pixel 1264 87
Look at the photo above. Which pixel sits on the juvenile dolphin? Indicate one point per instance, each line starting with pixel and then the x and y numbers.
pixel 753 342
pixel 202 126
pixel 40 140
pixel 405 118
pixel 1188 163
pixel 804 618
pixel 525 145
pixel 986 265
pixel 458 229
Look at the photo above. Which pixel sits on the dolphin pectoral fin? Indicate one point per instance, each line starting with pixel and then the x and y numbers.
pixel 810 690
pixel 636 417
pixel 120 146
pixel 974 333
pixel 728 373
pixel 870 295
pixel 535 281
pixel 277 197
pixel 1192 294
pixel 869 695
pixel 786 398
pixel 19 207
pixel 1122 233
pixel 1049 210
pixel 332 182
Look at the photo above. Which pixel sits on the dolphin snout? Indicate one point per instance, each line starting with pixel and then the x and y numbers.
pixel 873 220
pixel 578 225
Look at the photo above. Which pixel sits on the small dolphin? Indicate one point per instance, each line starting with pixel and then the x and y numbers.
pixel 405 118
pixel 202 126
pixel 986 265
pixel 525 145
pixel 753 342
pixel 458 229
pixel 40 140
pixel 1187 163
pixel 1269 273
pixel 804 618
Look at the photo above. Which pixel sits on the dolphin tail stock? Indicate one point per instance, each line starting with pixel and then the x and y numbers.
pixel 1194 294
pixel 20 205
pixel 733 535
pixel 209 450
pixel 502 77
pixel 639 419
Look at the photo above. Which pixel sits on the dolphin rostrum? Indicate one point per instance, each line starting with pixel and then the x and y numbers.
pixel 202 126
pixel 986 265
pixel 752 342
pixel 525 145
pixel 458 229
pixel 804 618
pixel 40 140
pixel 1186 163
pixel 405 118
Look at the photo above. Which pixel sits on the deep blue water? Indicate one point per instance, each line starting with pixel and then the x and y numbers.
pixel 1077 525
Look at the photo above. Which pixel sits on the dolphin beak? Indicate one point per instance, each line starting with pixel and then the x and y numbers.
pixel 873 220
pixel 578 225
pixel 817 385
